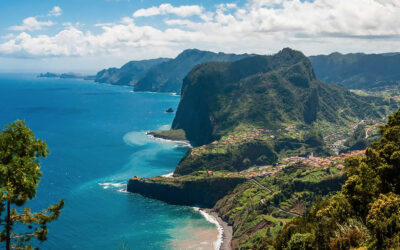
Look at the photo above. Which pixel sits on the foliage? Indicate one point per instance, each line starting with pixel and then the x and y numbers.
pixel 265 91
pixel 168 76
pixel 128 74
pixel 367 210
pixel 253 211
pixel 19 176
pixel 235 158
pixel 358 71
pixel 172 134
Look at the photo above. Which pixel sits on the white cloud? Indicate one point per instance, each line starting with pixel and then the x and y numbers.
pixel 164 9
pixel 259 26
pixel 56 11
pixel 30 24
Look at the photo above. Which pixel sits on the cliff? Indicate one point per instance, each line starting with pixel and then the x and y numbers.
pixel 202 191
pixel 266 91
pixel 168 76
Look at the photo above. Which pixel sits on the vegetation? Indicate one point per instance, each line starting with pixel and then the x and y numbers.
pixel 266 92
pixel 367 210
pixel 128 74
pixel 172 134
pixel 198 189
pixel 19 177
pixel 168 76
pixel 359 71
pixel 256 211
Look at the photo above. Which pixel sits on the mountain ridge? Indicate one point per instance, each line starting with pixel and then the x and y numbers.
pixel 264 90
pixel 359 70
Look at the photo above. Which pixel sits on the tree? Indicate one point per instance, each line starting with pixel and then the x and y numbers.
pixel 366 212
pixel 19 177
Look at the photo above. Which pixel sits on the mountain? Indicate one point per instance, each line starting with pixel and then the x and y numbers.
pixel 168 76
pixel 129 73
pixel 359 71
pixel 264 91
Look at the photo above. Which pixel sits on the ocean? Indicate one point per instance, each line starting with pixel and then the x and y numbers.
pixel 96 137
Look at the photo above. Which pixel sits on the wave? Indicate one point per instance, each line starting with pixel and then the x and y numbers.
pixel 168 175
pixel 179 143
pixel 218 243
pixel 107 185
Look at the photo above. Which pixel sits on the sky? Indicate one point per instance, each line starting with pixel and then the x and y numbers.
pixel 86 36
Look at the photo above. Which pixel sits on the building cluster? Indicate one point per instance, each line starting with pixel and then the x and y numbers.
pixel 240 135
pixel 310 161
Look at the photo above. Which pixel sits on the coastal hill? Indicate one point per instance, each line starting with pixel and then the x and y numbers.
pixel 168 76
pixel 260 128
pixel 129 73
pixel 265 91
pixel 359 71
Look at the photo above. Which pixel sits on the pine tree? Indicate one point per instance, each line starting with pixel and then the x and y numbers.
pixel 19 177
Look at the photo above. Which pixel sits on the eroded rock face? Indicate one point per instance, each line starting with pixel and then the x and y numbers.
pixel 204 192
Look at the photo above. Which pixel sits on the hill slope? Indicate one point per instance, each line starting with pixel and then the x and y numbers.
pixel 358 71
pixel 129 73
pixel 265 91
pixel 168 76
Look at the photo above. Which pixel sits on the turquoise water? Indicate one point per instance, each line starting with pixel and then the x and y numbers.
pixel 95 134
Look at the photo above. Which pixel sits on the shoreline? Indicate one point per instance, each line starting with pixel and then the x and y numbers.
pixel 224 230
pixel 224 236
pixel 186 143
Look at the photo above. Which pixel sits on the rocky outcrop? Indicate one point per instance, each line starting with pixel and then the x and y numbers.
pixel 204 192
pixel 265 91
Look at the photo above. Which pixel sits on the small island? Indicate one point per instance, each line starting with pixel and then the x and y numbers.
pixel 70 75
pixel 169 110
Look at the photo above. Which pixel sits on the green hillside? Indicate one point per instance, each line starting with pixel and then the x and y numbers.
pixel 129 73
pixel 366 213
pixel 359 71
pixel 168 76
pixel 268 92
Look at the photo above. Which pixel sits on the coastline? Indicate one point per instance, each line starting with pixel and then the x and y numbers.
pixel 224 236
pixel 224 230
pixel 185 142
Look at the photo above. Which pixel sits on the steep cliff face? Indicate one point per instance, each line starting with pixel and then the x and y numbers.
pixel 264 91
pixel 203 192
pixel 129 73
pixel 168 76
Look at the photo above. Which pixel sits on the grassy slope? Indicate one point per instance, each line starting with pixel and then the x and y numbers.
pixel 252 210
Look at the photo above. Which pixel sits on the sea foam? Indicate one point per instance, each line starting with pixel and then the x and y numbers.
pixel 217 244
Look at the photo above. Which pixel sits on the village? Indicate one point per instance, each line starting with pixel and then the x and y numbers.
pixel 246 133
pixel 311 161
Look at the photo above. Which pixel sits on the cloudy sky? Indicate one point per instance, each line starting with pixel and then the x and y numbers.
pixel 88 35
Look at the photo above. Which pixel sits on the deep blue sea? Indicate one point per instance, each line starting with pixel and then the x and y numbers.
pixel 96 137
